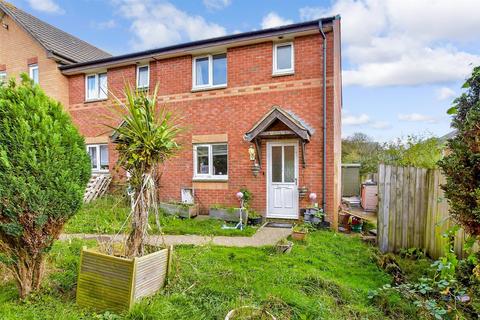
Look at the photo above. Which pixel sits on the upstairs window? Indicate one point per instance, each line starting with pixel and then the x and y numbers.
pixel 33 72
pixel 96 86
pixel 143 77
pixel 211 161
pixel 98 156
pixel 3 77
pixel 283 58
pixel 210 71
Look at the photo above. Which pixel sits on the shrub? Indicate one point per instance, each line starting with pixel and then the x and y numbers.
pixel 44 170
pixel 462 165
pixel 146 138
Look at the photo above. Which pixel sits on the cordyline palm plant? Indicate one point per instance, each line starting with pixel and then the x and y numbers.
pixel 146 138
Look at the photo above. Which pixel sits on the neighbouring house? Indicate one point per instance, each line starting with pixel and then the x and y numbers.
pixel 29 45
pixel 262 111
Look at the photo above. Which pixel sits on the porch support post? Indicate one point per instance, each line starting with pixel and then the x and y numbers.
pixel 304 163
pixel 259 151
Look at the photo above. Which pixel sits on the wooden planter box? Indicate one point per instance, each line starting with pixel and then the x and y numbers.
pixel 227 214
pixel 179 210
pixel 112 283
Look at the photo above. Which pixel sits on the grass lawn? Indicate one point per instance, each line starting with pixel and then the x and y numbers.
pixel 107 215
pixel 326 277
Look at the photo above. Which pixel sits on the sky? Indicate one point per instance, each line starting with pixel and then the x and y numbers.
pixel 404 61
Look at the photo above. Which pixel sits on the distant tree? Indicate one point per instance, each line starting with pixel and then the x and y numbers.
pixel 462 164
pixel 416 151
pixel 44 169
pixel 360 148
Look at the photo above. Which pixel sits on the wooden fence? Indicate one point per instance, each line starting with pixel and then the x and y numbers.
pixel 413 213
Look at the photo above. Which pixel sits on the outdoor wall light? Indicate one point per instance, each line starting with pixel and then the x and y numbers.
pixel 251 152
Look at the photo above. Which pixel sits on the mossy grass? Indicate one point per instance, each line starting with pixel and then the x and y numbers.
pixel 326 277
pixel 107 215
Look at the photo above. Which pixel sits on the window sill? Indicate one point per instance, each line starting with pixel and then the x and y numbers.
pixel 283 73
pixel 210 179
pixel 95 100
pixel 196 89
pixel 99 171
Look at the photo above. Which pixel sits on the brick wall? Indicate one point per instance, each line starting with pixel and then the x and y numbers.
pixel 250 94
pixel 18 49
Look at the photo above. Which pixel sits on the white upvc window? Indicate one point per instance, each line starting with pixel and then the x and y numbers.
pixel 3 77
pixel 96 87
pixel 33 72
pixel 98 156
pixel 209 71
pixel 283 58
pixel 143 76
pixel 210 161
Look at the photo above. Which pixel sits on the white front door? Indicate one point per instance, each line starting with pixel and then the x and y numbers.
pixel 282 176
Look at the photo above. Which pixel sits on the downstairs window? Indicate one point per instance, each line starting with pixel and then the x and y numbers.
pixel 211 161
pixel 99 157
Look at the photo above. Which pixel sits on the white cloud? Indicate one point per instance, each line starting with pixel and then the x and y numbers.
pixel 354 120
pixel 272 20
pixel 363 119
pixel 410 42
pixel 381 125
pixel 415 67
pixel 416 117
pixel 445 93
pixel 103 25
pixel 49 6
pixel 216 4
pixel 158 24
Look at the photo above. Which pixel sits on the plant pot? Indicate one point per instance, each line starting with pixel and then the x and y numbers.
pixel 357 228
pixel 179 209
pixel 316 220
pixel 255 221
pixel 249 312
pixel 107 282
pixel 308 216
pixel 227 214
pixel 284 247
pixel 298 235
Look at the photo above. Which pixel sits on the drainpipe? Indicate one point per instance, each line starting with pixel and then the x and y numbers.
pixel 324 163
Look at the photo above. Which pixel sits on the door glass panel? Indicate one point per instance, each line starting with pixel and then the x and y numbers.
pixel 276 164
pixel 289 164
pixel 220 159
pixel 202 160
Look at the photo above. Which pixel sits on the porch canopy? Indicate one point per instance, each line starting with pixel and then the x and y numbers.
pixel 279 124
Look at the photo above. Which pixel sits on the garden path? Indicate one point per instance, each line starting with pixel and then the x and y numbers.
pixel 265 236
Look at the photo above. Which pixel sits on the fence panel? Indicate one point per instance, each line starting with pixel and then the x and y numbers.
pixel 413 211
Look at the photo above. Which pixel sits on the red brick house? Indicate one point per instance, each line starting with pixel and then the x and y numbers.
pixel 250 98
pixel 29 45
pixel 262 108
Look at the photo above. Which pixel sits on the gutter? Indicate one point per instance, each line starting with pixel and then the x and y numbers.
pixel 184 48
pixel 324 148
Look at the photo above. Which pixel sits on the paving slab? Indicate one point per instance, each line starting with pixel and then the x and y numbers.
pixel 265 236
